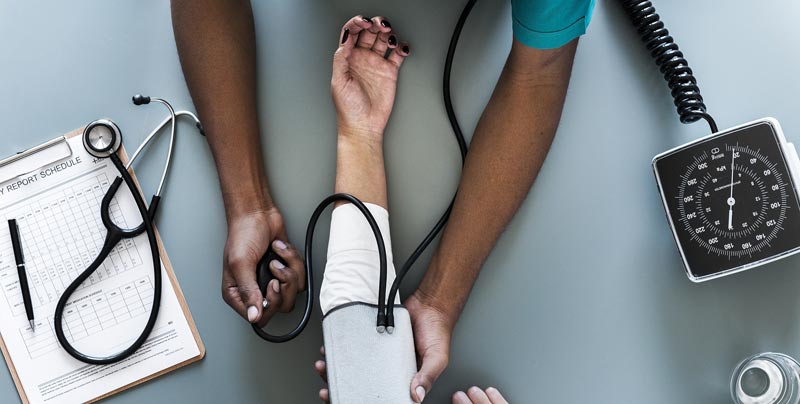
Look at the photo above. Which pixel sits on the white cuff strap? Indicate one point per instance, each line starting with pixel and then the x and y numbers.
pixel 352 273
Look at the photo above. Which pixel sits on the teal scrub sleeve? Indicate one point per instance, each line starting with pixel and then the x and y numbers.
pixel 548 24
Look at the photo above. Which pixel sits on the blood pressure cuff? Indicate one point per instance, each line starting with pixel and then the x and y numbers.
pixel 365 366
pixel 549 24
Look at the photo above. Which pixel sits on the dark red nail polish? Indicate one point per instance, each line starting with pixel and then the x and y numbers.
pixel 385 24
pixel 406 50
pixel 345 35
pixel 392 40
pixel 366 19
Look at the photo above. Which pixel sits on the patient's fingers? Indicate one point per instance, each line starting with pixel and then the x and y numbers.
pixel 321 368
pixel 367 37
pixel 349 34
pixel 347 39
pixel 386 40
pixel 399 54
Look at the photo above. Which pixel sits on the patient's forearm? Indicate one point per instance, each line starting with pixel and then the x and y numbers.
pixel 352 270
pixel 359 169
pixel 216 44
pixel 508 148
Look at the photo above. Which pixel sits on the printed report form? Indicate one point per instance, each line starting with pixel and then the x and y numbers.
pixel 57 208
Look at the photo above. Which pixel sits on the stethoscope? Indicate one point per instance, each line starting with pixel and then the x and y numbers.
pixel 102 139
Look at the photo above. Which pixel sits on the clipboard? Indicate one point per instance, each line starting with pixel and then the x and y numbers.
pixel 58 149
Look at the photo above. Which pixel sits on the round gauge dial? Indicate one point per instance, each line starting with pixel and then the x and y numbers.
pixel 733 200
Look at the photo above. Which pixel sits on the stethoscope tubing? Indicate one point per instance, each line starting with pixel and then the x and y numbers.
pixel 157 129
pixel 113 236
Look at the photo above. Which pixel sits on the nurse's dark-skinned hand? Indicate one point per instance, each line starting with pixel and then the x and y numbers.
pixel 364 78
pixel 249 236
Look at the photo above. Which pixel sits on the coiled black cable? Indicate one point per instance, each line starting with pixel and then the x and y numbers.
pixel 670 60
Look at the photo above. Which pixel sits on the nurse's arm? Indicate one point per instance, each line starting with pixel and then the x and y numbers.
pixel 216 43
pixel 508 148
pixel 217 47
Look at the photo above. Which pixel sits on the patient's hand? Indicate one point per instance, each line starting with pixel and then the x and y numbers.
pixel 364 77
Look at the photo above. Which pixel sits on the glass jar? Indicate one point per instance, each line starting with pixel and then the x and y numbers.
pixel 766 378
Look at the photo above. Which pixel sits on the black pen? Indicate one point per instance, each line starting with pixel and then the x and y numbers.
pixel 23 277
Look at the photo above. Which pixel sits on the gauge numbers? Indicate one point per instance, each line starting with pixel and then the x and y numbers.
pixel 730 199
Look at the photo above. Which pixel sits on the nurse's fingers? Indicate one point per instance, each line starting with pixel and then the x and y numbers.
pixel 239 286
pixel 273 302
pixel 367 37
pixel 399 54
pixel 288 281
pixel 386 40
pixel 495 396
pixel 293 260
pixel 324 395
pixel 478 396
pixel 291 276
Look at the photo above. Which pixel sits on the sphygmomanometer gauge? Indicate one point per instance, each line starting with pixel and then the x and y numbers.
pixel 731 199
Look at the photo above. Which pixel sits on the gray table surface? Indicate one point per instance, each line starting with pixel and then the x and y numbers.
pixel 583 300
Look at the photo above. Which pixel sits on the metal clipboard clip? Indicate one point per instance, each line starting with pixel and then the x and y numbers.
pixel 28 161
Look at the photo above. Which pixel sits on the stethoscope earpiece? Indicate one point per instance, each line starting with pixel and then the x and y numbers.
pixel 139 99
pixel 102 138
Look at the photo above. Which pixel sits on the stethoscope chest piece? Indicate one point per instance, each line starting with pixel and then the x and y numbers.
pixel 102 138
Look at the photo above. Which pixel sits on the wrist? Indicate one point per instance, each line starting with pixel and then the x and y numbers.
pixel 246 201
pixel 362 134
pixel 439 302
